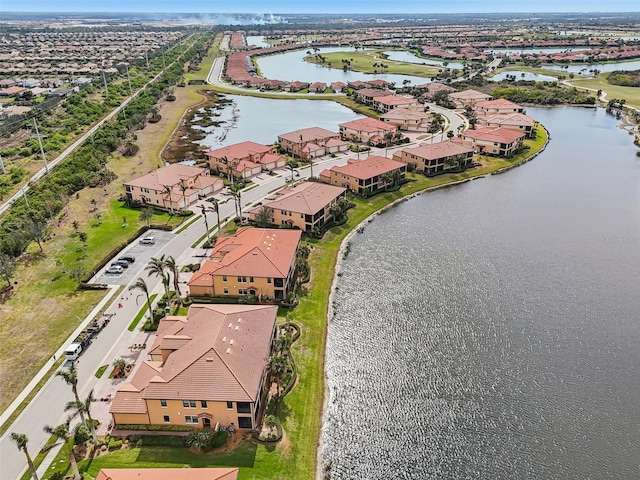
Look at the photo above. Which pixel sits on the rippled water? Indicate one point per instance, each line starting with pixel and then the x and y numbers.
pixel 491 330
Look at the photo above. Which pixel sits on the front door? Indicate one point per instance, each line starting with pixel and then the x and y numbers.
pixel 206 423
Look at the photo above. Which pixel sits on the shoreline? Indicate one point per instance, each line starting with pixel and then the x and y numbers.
pixel 344 247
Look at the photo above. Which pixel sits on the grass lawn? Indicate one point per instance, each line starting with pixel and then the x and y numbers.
pixel 140 314
pixel 630 94
pixel 295 457
pixel 362 61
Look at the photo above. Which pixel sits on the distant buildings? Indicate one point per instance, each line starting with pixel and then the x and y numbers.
pixel 244 159
pixel 311 142
pixel 366 130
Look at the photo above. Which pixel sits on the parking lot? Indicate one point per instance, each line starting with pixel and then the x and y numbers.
pixel 142 253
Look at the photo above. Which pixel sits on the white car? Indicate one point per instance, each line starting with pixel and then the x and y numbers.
pixel 147 240
pixel 114 269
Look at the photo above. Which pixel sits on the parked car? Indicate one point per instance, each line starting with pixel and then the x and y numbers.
pixel 128 258
pixel 122 263
pixel 115 269
pixel 147 240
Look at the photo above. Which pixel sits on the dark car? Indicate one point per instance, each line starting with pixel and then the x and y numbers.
pixel 128 258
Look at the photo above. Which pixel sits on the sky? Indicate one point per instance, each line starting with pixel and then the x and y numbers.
pixel 322 6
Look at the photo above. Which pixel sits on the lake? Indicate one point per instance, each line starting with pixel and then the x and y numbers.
pixel 491 330
pixel 410 57
pixel 536 77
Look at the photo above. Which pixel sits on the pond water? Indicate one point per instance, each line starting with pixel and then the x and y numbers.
pixel 262 119
pixel 491 330
pixel 523 76
pixel 603 67
pixel 290 66
pixel 410 57
pixel 523 51
pixel 257 41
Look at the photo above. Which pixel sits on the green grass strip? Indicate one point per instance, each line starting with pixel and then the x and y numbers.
pixel 188 224
pixel 139 316
pixel 101 370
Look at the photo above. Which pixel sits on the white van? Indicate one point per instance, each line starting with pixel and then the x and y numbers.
pixel 73 351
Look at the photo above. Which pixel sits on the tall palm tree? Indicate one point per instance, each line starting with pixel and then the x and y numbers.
pixel 206 223
pixel 386 179
pixel 70 377
pixel 291 164
pixel 174 268
pixel 158 267
pixel 277 367
pixel 167 191
pixel 63 432
pixel 216 208
pixel 183 189
pixel 84 407
pixel 21 441
pixel 229 165
pixel 142 286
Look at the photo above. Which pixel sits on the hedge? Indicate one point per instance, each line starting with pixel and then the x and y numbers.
pixel 155 440
pixel 154 428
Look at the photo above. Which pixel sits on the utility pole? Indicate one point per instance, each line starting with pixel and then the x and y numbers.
pixel 24 195
pixel 46 167
pixel 129 79
pixel 104 79
pixel 2 165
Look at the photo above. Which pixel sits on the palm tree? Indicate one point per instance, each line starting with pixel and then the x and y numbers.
pixel 70 377
pixel 396 176
pixel 174 268
pixel 388 135
pixel 146 214
pixel 63 433
pixel 206 223
pixel 167 191
pixel 291 164
pixel 21 441
pixel 386 179
pixel 142 286
pixel 264 216
pixel 277 367
pixel 229 168
pixel 158 267
pixel 282 344
pixel 184 188
pixel 84 407
pixel 216 208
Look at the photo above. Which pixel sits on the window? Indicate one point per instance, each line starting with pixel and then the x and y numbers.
pixel 166 419
pixel 250 279
pixel 226 291
pixel 189 403
pixel 203 403
pixel 242 291
pixel 269 280
pixel 243 407
pixel 242 279
pixel 190 419
pixel 229 405
pixel 163 403
pixel 244 422
pixel 224 278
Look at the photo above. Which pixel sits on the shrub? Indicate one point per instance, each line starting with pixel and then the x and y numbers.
pixel 219 438
pixel 114 444
pixel 154 428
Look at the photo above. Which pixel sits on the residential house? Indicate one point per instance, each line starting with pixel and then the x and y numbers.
pixel 7 82
pixel 338 87
pixel 311 142
pixel 60 92
pixel 408 120
pixel 295 86
pixel 499 105
pixel 168 474
pixel 245 159
pixel 389 102
pixel 358 84
pixel 513 121
pixel 173 187
pixel 254 261
pixel 493 140
pixel 436 157
pixel 368 95
pixel 81 82
pixel 317 87
pixel 305 206
pixel 429 90
pixel 379 83
pixel 12 91
pixel 366 130
pixel 206 369
pixel 364 176
pixel 468 97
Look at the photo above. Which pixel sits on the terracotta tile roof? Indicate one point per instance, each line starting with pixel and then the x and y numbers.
pixel 498 103
pixel 396 100
pixel 129 398
pixel 367 124
pixel 225 359
pixel 517 119
pixel 493 134
pixel 406 114
pixel 167 176
pixel 239 150
pixel 438 150
pixel 307 197
pixel 308 134
pixel 369 167
pixel 168 474
pixel 251 252
pixel 469 95
pixel 372 92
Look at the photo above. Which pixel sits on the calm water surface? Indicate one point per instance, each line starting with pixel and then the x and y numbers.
pixel 410 57
pixel 491 330
pixel 290 66
pixel 262 119
pixel 523 76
